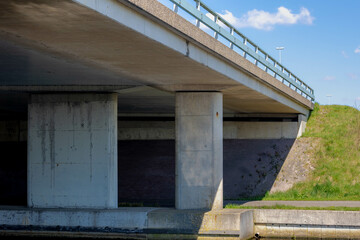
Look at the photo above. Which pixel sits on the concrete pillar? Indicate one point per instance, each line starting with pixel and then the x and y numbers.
pixel 302 120
pixel 199 150
pixel 72 150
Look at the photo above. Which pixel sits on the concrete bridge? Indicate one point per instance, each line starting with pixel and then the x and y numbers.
pixel 76 77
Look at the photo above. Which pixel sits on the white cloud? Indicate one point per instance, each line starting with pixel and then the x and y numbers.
pixel 357 50
pixel 266 21
pixel 329 78
pixel 353 76
pixel 344 54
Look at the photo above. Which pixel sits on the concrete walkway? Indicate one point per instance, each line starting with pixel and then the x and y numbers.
pixel 297 203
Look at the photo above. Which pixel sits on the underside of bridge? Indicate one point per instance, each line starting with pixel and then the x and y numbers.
pixel 107 103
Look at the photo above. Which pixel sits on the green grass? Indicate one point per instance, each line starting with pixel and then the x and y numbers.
pixel 336 157
pixel 286 207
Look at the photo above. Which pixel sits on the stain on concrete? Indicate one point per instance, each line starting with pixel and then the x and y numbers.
pixel 51 132
pixel 89 121
pixel 42 134
pixel 187 48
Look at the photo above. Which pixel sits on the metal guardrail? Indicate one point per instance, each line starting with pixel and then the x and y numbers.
pixel 249 49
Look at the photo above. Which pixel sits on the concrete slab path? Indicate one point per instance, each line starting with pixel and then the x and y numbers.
pixel 296 203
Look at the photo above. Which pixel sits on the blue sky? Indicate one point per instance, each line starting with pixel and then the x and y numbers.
pixel 321 40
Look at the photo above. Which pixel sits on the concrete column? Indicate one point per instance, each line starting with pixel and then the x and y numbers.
pixel 72 150
pixel 199 150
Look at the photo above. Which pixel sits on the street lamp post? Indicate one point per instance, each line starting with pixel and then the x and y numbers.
pixel 280 49
pixel 329 99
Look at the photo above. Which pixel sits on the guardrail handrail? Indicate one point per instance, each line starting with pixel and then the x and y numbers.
pixel 271 66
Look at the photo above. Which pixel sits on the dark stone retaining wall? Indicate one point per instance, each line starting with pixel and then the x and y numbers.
pixel 146 170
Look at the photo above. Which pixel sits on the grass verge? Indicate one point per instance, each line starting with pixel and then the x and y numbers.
pixel 286 207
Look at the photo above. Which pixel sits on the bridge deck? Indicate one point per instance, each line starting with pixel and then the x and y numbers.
pixel 125 44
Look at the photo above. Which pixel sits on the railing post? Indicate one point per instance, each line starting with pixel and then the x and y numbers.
pixel 216 35
pixel 232 34
pixel 266 59
pixel 175 8
pixel 257 52
pixel 198 5
pixel 245 43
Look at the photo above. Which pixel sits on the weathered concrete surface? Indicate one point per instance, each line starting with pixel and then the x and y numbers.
pixel 302 120
pixel 234 223
pixel 126 218
pixel 298 165
pixel 199 150
pixel 223 222
pixel 72 150
pixel 165 130
pixel 260 130
pixel 307 224
pixel 155 222
pixel 16 130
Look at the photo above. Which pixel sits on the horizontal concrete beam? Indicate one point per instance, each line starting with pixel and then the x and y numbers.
pixel 15 131
pixel 157 130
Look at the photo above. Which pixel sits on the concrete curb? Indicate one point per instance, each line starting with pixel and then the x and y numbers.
pixel 117 222
pixel 307 224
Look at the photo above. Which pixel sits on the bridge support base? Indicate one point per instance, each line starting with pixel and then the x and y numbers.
pixel 72 150
pixel 199 150
pixel 302 120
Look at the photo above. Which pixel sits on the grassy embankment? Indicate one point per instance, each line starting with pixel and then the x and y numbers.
pixel 336 158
